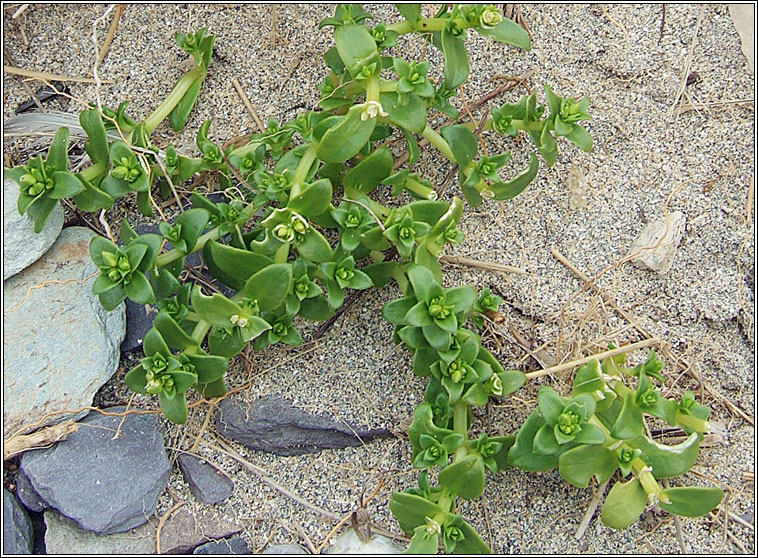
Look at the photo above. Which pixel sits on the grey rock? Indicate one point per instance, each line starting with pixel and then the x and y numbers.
pixel 63 536
pixel 26 493
pixel 274 425
pixel 350 543
pixel 138 323
pixel 235 545
pixel 656 245
pixel 207 482
pixel 105 485
pixel 59 344
pixel 21 245
pixel 285 549
pixel 743 16
pixel 17 527
pixel 184 531
pixel 181 533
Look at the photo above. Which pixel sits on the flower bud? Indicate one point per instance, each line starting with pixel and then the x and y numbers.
pixel 491 16
pixel 154 387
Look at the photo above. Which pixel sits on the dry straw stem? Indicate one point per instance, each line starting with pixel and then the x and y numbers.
pixel 162 522
pixel 489 266
pixel 50 77
pixel 248 105
pixel 598 356
pixel 44 437
pixel 687 65
pixel 111 33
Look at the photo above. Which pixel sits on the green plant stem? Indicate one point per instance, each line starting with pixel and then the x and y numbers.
pixel 301 172
pixel 420 190
pixel 168 104
pixel 401 27
pixel 438 141
pixel 460 426
pixel 174 254
pixel 373 88
pixel 92 172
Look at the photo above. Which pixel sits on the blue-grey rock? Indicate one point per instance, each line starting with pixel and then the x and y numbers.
pixel 206 481
pixel 285 549
pixel 26 493
pixel 60 345
pixel 105 485
pixel 21 245
pixel 17 527
pixel 273 424
pixel 235 545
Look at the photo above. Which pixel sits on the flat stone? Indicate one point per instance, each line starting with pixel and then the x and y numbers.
pixel 17 527
pixel 350 543
pixel 234 545
pixel 207 482
pixel 26 493
pixel 285 549
pixel 21 245
pixel 105 485
pixel 60 345
pixel 64 536
pixel 656 245
pixel 181 533
pixel 184 531
pixel 273 424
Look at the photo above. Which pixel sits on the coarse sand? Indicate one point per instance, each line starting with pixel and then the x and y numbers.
pixel 648 159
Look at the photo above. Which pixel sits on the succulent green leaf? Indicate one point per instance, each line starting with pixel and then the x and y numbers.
pixel 225 344
pixel 579 464
pixel 668 461
pixel 178 116
pixel 691 501
pixel 215 309
pixel 624 504
pixel 369 173
pixel 269 286
pixel 407 112
pixel 97 146
pixel 174 408
pixel 314 199
pixel 465 477
pixel 462 142
pixel 232 266
pixel 411 12
pixel 508 32
pixel 395 310
pixel 112 298
pixel 315 247
pixel 173 334
pixel 356 47
pixel 456 60
pixel 138 288
pixel 193 222
pixel 57 155
pixel 345 139
pixel 154 343
pixel 512 188
pixel 411 511
pixel 522 455
pixel 629 422
pixel 550 404
pixel 136 379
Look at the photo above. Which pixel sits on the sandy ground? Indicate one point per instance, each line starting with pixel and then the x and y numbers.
pixel 647 161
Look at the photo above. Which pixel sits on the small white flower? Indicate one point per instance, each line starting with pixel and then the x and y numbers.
pixel 491 17
pixel 242 322
pixel 234 318
pixel 372 109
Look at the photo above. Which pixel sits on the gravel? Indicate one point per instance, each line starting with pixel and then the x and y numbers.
pixel 646 161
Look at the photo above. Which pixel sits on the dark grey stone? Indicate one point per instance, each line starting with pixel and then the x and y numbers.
pixel 105 485
pixel 138 323
pixel 206 481
pixel 236 545
pixel 274 425
pixel 26 493
pixel 17 527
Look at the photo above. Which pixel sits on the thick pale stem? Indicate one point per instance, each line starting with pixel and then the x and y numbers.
pixel 460 425
pixel 168 104
pixel 372 89
pixel 439 142
pixel 301 172
pixel 91 173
